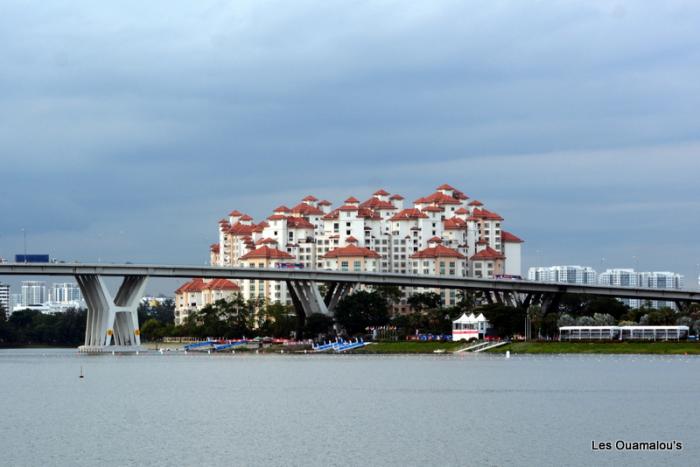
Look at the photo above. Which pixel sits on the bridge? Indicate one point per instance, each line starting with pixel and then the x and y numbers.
pixel 112 322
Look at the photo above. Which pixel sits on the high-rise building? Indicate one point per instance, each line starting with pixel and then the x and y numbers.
pixel 442 233
pixel 651 280
pixel 33 293
pixel 565 274
pixel 661 280
pixel 5 298
pixel 65 292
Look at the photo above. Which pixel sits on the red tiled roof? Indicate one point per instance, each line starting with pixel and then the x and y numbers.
pixel 396 196
pixel 454 223
pixel 306 210
pixel 348 207
pixel 437 198
pixel 407 214
pixel 214 248
pixel 276 217
pixel 484 214
pixel 199 285
pixel 267 252
pixel 246 217
pixel 351 239
pixel 260 227
pixel 266 241
pixel 367 213
pixel 438 251
pixel 476 202
pixel 282 208
pixel 459 195
pixel 508 237
pixel 435 239
pixel 223 221
pixel 235 213
pixel 351 199
pixel 310 198
pixel 299 223
pixel 352 251
pixel 461 211
pixel 324 202
pixel 482 241
pixel 433 209
pixel 381 192
pixel 376 203
pixel 241 229
pixel 331 215
pixel 487 253
pixel 445 186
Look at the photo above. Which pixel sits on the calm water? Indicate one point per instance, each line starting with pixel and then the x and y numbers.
pixel 176 409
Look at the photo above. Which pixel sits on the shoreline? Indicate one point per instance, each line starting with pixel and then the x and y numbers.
pixel 449 348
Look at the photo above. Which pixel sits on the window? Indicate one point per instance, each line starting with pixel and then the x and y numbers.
pixel 344 266
pixel 356 265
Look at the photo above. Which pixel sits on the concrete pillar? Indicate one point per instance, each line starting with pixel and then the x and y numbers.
pixel 112 323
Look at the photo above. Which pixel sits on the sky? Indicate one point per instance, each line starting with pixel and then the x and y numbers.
pixel 128 129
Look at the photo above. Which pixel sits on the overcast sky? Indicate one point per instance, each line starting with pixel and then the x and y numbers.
pixel 128 129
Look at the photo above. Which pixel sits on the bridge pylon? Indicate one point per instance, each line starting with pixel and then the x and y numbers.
pixel 307 299
pixel 112 323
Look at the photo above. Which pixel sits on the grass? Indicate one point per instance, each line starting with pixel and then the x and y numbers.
pixel 660 348
pixel 408 347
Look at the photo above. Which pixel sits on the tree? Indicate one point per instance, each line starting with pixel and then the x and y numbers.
pixel 151 329
pixel 391 293
pixel 505 320
pixel 318 324
pixel 566 320
pixel 425 301
pixel 278 320
pixel 603 319
pixel 360 310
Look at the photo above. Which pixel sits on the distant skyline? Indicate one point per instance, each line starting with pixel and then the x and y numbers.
pixel 127 130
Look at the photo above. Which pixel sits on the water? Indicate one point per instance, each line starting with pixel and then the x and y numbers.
pixel 174 409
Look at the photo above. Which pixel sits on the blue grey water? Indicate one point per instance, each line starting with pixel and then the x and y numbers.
pixel 175 409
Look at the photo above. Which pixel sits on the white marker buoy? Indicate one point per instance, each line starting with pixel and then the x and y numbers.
pixel 507 353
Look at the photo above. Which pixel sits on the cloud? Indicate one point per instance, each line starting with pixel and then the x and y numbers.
pixel 574 119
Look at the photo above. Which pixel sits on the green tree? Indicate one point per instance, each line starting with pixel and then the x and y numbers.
pixel 506 321
pixel 425 301
pixel 318 324
pixel 391 293
pixel 152 330
pixel 362 309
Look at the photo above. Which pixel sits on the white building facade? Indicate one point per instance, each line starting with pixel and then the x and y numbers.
pixel 583 275
pixel 315 235
pixel 5 302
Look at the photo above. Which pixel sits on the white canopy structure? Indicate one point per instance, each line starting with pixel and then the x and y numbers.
pixel 468 327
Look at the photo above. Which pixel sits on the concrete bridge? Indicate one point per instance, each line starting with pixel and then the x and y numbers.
pixel 112 322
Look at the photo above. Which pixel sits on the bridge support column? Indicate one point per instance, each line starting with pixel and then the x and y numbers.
pixel 112 323
pixel 307 299
pixel 550 302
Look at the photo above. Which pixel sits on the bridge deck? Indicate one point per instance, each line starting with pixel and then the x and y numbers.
pixel 368 278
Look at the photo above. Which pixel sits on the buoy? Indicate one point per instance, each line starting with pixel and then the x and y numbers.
pixel 81 372
pixel 112 352
pixel 507 353
pixel 161 351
